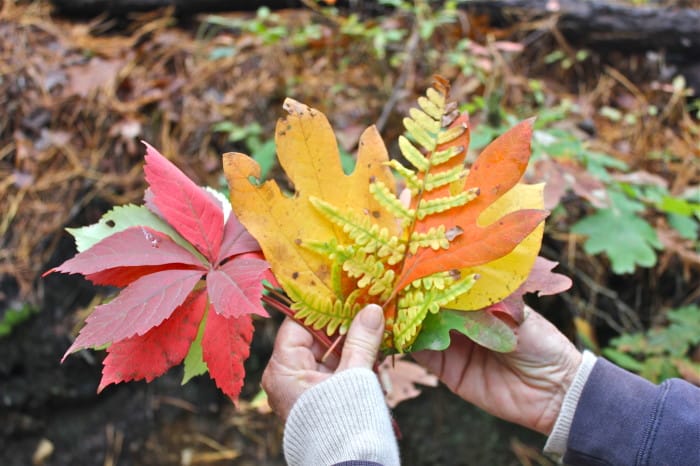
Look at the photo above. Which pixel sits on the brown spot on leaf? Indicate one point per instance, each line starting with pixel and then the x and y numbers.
pixel 453 232
pixel 297 241
pixel 295 275
pixel 376 214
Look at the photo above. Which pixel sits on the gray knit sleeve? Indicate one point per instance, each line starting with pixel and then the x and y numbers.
pixel 556 443
pixel 341 419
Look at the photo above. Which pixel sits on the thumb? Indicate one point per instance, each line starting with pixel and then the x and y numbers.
pixel 363 340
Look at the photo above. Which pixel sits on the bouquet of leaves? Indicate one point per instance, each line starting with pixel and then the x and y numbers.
pixel 454 249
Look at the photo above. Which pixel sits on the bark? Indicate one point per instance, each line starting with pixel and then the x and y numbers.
pixel 601 25
pixel 123 7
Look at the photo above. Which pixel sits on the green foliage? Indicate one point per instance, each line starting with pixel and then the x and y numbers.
pixel 480 326
pixel 262 150
pixel 626 238
pixel 266 25
pixel 15 316
pixel 661 352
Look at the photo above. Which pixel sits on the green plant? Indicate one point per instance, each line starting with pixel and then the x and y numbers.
pixel 15 316
pixel 263 151
pixel 661 352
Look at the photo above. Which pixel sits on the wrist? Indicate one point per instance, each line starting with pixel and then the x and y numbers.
pixel 558 438
pixel 569 366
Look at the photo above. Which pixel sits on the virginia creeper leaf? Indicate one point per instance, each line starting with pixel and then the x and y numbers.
pixel 135 246
pixel 142 305
pixel 153 324
pixel 235 288
pixel 236 240
pixel 118 219
pixel 188 208
pixel 225 347
pixel 149 355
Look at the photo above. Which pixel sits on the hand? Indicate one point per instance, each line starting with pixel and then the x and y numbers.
pixel 294 366
pixel 526 386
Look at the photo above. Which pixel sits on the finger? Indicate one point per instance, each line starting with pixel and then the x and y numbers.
pixel 363 339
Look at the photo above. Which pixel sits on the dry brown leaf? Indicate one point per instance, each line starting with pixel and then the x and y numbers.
pixel 399 378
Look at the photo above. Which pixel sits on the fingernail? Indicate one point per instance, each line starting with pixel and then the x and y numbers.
pixel 372 316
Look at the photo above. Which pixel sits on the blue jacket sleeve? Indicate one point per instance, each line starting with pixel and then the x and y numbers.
pixel 622 419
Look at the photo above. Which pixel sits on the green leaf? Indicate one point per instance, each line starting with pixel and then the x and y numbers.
pixel 623 359
pixel 627 239
pixel 194 361
pixel 481 327
pixel 15 316
pixel 687 227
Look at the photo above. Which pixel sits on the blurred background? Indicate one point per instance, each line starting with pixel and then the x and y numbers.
pixel 615 86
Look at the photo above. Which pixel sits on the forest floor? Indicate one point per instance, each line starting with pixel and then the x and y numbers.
pixel 78 96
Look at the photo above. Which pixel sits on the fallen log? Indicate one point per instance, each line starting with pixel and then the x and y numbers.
pixel 602 25
pixel 123 7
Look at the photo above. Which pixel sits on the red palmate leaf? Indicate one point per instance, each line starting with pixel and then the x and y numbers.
pixel 235 288
pixel 139 307
pixel 135 246
pixel 225 346
pixel 149 355
pixel 122 276
pixel 236 240
pixel 193 212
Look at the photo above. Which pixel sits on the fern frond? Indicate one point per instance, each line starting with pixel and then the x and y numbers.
pixel 429 295
pixel 383 195
pixel 319 311
pixel 451 134
pixel 443 156
pixel 431 125
pixel 420 134
pixel 413 155
pixel 365 234
pixel 434 238
pixel 445 177
pixel 431 108
pixel 414 183
pixel 437 98
pixel 433 206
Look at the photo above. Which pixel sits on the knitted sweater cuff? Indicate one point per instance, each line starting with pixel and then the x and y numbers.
pixel 556 443
pixel 342 418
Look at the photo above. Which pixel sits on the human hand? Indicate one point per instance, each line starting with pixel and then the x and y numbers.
pixel 294 366
pixel 526 386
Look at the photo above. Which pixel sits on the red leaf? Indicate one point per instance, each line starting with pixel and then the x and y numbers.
pixel 139 307
pixel 477 247
pixel 541 280
pixel 497 169
pixel 235 288
pixel 132 247
pixel 150 355
pixel 193 212
pixel 225 347
pixel 123 276
pixel 236 240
